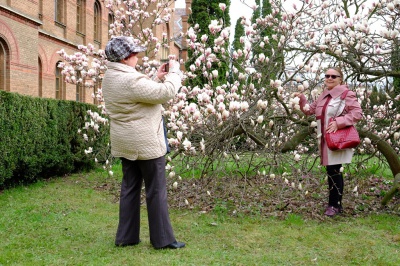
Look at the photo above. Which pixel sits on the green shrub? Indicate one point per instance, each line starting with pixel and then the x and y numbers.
pixel 39 138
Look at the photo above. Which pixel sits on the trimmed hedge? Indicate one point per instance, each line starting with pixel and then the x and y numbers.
pixel 39 138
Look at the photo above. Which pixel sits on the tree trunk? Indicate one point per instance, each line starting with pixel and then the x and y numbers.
pixel 392 191
pixel 387 150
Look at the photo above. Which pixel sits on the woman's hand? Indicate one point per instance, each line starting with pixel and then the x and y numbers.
pixel 173 66
pixel 161 72
pixel 332 127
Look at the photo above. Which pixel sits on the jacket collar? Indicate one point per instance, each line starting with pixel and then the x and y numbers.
pixel 120 67
pixel 335 92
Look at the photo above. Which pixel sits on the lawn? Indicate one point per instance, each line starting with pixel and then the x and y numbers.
pixel 72 221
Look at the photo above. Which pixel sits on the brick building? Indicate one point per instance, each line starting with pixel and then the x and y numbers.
pixel 31 33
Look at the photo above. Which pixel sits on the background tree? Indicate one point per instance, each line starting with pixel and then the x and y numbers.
pixel 237 43
pixel 205 14
pixel 266 41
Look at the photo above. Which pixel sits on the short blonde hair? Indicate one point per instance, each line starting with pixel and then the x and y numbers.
pixel 339 70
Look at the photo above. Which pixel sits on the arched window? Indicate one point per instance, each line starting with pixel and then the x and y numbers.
pixel 80 15
pixel 80 92
pixel 59 11
pixel 97 22
pixel 4 66
pixel 110 21
pixel 40 85
pixel 60 83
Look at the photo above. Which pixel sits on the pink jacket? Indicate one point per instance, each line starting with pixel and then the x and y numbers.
pixel 346 116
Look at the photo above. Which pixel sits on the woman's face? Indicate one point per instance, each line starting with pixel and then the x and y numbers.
pixel 332 79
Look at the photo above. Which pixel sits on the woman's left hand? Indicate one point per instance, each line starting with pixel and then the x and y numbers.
pixel 332 127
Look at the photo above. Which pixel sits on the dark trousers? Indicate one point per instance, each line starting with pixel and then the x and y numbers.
pixel 153 174
pixel 336 184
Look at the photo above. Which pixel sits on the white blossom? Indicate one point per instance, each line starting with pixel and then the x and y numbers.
pixel 367 141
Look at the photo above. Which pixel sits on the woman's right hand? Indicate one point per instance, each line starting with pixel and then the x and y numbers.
pixel 161 72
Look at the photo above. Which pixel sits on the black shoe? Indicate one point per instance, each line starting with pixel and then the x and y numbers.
pixel 174 245
pixel 127 244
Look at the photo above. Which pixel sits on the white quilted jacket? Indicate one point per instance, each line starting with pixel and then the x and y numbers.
pixel 133 103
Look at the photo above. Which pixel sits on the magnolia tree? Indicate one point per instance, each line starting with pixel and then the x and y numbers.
pixel 251 126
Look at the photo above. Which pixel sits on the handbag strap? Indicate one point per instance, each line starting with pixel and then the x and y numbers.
pixel 342 97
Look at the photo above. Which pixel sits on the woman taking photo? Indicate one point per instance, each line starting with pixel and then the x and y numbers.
pixel 326 106
pixel 133 103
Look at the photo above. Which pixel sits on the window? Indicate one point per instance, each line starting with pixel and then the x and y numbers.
pixel 110 21
pixel 40 85
pixel 80 92
pixel 97 22
pixel 59 12
pixel 60 84
pixel 80 15
pixel 4 66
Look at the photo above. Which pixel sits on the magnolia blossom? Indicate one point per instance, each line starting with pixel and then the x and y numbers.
pixel 187 144
pixel 225 114
pixel 215 73
pixel 202 145
pixel 244 106
pixel 271 123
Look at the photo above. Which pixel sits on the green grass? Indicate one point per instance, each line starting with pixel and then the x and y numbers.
pixel 250 165
pixel 72 221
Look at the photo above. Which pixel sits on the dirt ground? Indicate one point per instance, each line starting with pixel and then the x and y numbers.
pixel 274 197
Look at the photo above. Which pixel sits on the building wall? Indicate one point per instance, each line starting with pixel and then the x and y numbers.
pixel 33 36
pixel 20 35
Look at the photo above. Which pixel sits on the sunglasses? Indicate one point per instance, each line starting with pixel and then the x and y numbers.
pixel 331 76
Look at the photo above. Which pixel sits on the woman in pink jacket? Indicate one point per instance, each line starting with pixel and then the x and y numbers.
pixel 324 108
